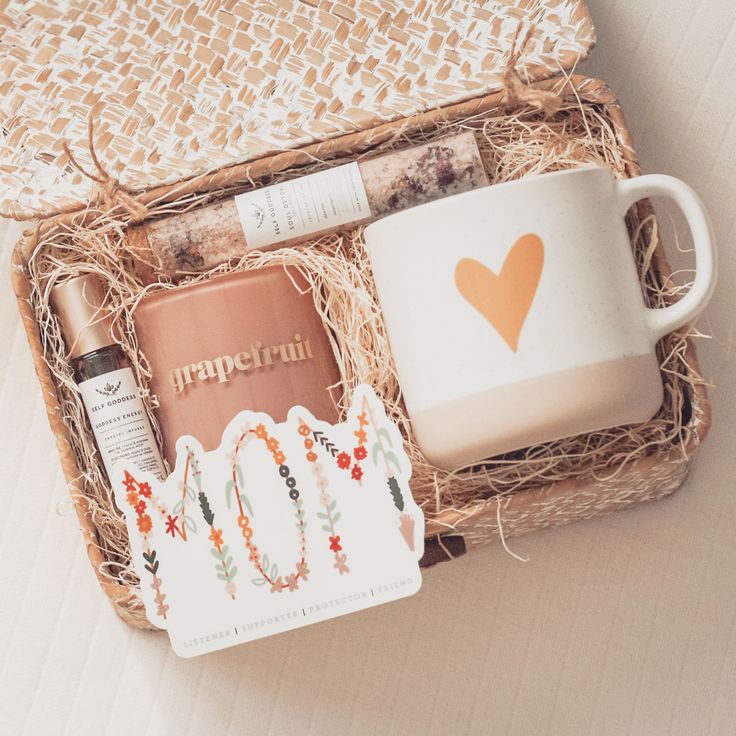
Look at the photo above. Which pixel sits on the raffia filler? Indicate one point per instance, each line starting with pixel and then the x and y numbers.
pixel 547 484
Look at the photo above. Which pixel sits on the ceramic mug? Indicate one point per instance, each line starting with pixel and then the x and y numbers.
pixel 515 313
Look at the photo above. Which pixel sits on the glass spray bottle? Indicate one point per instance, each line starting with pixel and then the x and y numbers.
pixel 105 379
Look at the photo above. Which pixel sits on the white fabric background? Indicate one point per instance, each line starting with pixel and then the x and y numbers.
pixel 620 625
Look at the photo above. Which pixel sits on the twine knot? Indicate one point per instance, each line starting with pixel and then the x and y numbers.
pixel 108 191
pixel 516 92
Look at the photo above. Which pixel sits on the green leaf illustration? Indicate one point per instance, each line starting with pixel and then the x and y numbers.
pixel 336 517
pixel 326 528
pixel 259 581
pixel 229 487
pixel 383 432
pixel 391 458
pixel 377 451
pixel 244 500
pixel 207 513
pixel 396 495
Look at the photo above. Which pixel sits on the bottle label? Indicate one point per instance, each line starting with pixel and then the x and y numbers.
pixel 120 422
pixel 310 204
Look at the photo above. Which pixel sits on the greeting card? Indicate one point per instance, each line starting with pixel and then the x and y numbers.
pixel 285 524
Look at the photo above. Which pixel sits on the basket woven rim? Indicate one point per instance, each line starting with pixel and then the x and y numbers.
pixel 590 89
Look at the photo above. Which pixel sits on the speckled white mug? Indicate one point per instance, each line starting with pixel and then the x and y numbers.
pixel 515 312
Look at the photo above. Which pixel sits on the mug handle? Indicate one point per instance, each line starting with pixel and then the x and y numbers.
pixel 666 319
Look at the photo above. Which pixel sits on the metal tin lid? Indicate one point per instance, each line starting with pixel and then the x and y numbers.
pixel 85 322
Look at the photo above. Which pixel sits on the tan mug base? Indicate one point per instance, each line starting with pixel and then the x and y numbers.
pixel 543 409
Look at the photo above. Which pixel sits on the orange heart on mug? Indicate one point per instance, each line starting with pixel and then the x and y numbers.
pixel 504 299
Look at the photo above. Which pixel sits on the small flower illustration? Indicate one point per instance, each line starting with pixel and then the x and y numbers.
pixel 340 564
pixel 277 585
pixel 303 430
pixel 356 473
pixel 322 483
pixel 216 537
pixel 302 570
pixel 361 436
pixel 272 443
pixel 279 458
pixel 261 432
pixel 145 524
pixel 343 460
pixel 145 489
pixel 254 554
pixel 129 482
pixel 171 525
pixel 311 456
pixel 308 444
pixel 140 507
pixel 243 521
pixel 362 419
pixel 324 499
pixel 335 545
pixel 292 582
pixel 132 498
pixel 360 453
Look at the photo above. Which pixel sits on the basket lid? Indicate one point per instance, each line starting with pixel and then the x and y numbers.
pixel 179 88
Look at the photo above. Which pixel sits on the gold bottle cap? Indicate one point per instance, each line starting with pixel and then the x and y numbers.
pixel 85 322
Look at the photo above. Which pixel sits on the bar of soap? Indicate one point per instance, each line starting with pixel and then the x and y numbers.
pixel 206 237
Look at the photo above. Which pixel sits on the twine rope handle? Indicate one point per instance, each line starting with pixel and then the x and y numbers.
pixel 107 190
pixel 516 92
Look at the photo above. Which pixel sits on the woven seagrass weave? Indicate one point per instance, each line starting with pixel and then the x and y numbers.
pixel 178 88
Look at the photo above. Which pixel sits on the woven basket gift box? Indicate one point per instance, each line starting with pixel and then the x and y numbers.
pixel 519 493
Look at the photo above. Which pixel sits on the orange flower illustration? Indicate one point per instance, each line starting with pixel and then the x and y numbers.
pixel 261 432
pixel 145 524
pixel 216 537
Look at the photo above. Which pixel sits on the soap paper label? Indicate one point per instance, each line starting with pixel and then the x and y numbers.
pixel 284 525
pixel 325 200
